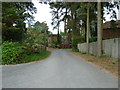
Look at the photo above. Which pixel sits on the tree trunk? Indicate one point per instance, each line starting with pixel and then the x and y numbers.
pixel 88 29
pixel 58 36
pixel 65 22
pixel 99 33
pixel 65 26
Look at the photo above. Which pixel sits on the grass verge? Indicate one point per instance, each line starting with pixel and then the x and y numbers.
pixel 36 57
pixel 33 57
pixel 104 63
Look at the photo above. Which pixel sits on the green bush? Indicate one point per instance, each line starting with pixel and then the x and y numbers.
pixel 76 40
pixel 12 52
pixel 93 39
pixel 75 50
pixel 41 49
pixel 36 57
pixel 33 40
pixel 57 46
pixel 54 44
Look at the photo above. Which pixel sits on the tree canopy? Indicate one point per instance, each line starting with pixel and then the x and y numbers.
pixel 14 16
pixel 80 18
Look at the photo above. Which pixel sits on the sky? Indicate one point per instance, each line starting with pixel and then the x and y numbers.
pixel 43 14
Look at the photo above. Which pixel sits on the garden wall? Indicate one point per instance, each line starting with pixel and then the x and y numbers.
pixel 111 48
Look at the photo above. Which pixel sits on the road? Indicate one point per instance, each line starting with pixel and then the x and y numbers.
pixel 60 70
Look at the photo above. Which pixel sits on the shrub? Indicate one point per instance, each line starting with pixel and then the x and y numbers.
pixel 33 39
pixel 75 50
pixel 58 46
pixel 54 44
pixel 76 40
pixel 93 39
pixel 12 52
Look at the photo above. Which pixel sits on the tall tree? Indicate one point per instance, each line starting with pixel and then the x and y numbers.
pixel 99 33
pixel 100 9
pixel 88 27
pixel 56 6
pixel 14 16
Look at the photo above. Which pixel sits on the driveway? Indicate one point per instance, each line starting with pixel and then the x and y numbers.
pixel 60 70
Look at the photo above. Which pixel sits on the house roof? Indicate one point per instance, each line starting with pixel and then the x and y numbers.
pixel 107 25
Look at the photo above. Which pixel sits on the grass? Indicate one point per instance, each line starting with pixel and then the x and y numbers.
pixel 111 66
pixel 36 57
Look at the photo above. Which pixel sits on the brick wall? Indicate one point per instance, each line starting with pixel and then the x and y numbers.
pixel 109 33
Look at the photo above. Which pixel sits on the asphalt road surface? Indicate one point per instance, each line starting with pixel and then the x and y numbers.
pixel 60 70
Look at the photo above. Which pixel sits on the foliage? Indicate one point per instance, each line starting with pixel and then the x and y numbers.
pixel 12 52
pixel 35 57
pixel 54 44
pixel 13 21
pixel 41 27
pixel 93 39
pixel 76 40
pixel 15 53
pixel 74 15
pixel 55 6
pixel 32 41
pixel 63 34
pixel 36 37
pixel 75 50
pixel 113 25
